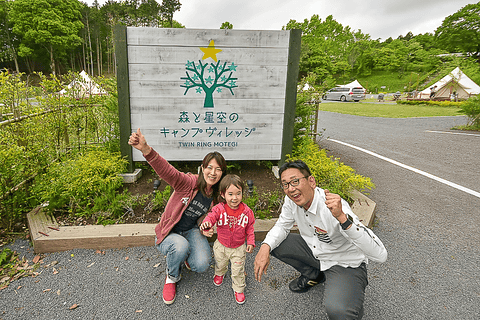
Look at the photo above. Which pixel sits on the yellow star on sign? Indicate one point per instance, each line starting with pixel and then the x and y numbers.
pixel 210 51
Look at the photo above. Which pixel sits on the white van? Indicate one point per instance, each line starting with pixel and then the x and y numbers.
pixel 345 94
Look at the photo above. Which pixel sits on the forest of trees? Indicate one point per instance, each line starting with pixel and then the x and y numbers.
pixel 56 36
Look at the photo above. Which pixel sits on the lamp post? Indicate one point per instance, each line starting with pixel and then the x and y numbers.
pixel 250 187
pixel 156 184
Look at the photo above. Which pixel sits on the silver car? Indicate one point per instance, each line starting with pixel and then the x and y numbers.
pixel 345 94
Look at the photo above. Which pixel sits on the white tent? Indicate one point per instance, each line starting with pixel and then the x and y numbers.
pixel 454 82
pixel 83 87
pixel 306 87
pixel 353 84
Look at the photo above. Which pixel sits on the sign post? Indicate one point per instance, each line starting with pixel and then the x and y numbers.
pixel 196 91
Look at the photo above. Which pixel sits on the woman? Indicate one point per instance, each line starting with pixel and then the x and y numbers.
pixel 178 236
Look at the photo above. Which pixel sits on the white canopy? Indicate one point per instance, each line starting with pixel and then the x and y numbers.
pixel 353 84
pixel 454 82
pixel 83 87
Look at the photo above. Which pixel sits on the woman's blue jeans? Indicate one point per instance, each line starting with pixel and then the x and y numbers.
pixel 190 246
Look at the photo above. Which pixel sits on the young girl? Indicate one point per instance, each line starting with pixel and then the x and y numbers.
pixel 234 225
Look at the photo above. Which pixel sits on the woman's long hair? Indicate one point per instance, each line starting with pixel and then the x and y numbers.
pixel 202 184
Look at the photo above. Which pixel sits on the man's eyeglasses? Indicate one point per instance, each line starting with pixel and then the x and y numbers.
pixel 293 183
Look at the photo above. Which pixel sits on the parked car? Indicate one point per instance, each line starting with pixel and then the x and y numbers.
pixel 345 94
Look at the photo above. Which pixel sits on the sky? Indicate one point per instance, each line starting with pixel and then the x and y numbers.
pixel 378 18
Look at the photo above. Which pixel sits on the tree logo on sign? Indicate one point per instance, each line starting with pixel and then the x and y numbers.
pixel 211 77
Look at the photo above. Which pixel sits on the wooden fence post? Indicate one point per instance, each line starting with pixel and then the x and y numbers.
pixel 123 89
pixel 291 92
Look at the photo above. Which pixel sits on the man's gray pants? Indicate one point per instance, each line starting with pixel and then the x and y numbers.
pixel 344 288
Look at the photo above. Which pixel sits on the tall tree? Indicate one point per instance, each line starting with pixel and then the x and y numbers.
pixel 226 25
pixel 407 37
pixel 168 8
pixel 325 46
pixel 8 40
pixel 426 40
pixel 461 31
pixel 52 24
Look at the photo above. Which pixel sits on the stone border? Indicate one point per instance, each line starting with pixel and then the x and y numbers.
pixel 131 177
pixel 48 236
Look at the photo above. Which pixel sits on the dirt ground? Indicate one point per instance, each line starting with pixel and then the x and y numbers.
pixel 263 179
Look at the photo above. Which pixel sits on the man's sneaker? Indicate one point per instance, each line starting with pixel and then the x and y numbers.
pixel 169 292
pixel 239 297
pixel 303 284
pixel 187 265
pixel 218 280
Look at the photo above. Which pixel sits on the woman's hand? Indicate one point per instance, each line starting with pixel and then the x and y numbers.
pixel 137 140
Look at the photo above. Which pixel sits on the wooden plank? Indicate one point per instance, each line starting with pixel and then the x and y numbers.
pixel 215 141
pixel 174 72
pixel 201 37
pixel 171 117
pixel 239 152
pixel 262 226
pixel 172 89
pixel 181 55
pixel 260 90
pixel 97 237
pixel 364 208
pixel 39 222
pixel 241 106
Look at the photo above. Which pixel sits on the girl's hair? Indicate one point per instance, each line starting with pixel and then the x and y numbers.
pixel 202 184
pixel 228 180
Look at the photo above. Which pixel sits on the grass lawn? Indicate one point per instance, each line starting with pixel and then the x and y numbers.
pixel 390 110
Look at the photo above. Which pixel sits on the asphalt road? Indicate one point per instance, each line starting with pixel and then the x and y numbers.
pixel 429 227
pixel 430 230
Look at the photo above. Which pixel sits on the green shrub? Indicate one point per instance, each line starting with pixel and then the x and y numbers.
pixel 109 207
pixel 54 128
pixel 161 198
pixel 234 166
pixel 251 200
pixel 263 205
pixel 73 185
pixel 329 173
pixel 5 257
pixel 14 173
pixel 471 108
pixel 451 104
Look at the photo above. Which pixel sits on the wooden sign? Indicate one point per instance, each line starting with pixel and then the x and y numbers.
pixel 196 91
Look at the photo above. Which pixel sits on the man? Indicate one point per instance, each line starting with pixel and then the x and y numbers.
pixel 332 247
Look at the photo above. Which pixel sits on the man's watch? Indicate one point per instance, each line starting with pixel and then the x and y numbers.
pixel 347 223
